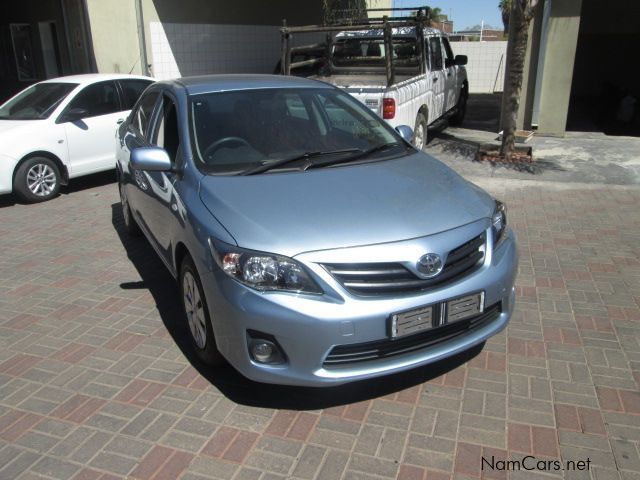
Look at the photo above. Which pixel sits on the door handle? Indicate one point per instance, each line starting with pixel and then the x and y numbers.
pixel 435 79
pixel 120 120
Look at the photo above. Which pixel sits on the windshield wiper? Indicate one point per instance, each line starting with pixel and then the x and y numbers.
pixel 357 156
pixel 279 163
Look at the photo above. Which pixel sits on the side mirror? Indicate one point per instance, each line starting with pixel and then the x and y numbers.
pixel 152 159
pixel 406 132
pixel 74 115
pixel 460 60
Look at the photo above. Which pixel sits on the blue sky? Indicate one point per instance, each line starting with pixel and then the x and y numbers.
pixel 464 13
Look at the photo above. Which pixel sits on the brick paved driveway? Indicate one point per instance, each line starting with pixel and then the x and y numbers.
pixel 95 381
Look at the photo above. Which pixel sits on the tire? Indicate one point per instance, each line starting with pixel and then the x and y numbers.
pixel 37 180
pixel 196 312
pixel 461 109
pixel 420 132
pixel 130 224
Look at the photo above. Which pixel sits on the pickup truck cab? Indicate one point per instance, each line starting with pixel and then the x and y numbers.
pixel 400 68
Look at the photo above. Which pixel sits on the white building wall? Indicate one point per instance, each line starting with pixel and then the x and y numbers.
pixel 485 69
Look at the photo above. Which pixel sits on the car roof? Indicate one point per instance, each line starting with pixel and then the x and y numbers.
pixel 222 83
pixel 87 78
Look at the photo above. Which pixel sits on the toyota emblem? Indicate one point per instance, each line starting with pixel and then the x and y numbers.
pixel 430 265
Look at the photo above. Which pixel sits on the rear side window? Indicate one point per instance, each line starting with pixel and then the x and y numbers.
pixel 131 91
pixel 97 99
pixel 435 53
pixel 142 115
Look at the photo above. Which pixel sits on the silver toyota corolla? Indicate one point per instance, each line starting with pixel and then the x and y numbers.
pixel 313 245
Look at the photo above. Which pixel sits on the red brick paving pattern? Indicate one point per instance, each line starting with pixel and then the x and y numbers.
pixel 93 386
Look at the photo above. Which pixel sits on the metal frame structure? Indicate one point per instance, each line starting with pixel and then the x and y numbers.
pixel 385 23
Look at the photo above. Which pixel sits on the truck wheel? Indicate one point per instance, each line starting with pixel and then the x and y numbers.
pixel 130 224
pixel 461 109
pixel 197 315
pixel 37 180
pixel 420 132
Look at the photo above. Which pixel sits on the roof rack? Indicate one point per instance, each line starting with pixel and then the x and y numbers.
pixel 384 23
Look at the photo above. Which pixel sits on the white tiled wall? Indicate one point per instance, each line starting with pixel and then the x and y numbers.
pixel 183 49
pixel 485 69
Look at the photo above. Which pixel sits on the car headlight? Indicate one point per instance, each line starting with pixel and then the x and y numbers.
pixel 499 223
pixel 262 271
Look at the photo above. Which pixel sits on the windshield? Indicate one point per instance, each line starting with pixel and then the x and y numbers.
pixel 36 102
pixel 238 131
pixel 370 52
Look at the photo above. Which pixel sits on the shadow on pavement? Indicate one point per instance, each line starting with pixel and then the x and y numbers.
pixel 162 286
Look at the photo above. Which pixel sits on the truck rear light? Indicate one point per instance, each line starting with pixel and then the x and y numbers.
pixel 388 108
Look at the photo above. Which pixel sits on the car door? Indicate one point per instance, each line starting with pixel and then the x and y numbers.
pixel 90 137
pixel 136 133
pixel 451 76
pixel 438 79
pixel 161 203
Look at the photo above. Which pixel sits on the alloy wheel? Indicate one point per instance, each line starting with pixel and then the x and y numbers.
pixel 41 180
pixel 194 309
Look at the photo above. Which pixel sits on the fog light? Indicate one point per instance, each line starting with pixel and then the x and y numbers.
pixel 265 351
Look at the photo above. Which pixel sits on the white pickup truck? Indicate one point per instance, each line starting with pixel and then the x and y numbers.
pixel 399 68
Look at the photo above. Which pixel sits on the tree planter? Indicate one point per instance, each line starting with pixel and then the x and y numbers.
pixel 491 153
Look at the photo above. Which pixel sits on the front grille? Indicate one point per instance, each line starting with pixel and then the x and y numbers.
pixel 345 355
pixel 388 278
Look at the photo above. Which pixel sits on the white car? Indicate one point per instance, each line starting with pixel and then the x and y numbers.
pixel 61 129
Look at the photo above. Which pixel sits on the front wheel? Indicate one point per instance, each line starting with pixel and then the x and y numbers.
pixel 197 315
pixel 420 132
pixel 37 180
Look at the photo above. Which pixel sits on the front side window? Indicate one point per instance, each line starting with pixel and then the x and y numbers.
pixel 447 50
pixel 36 102
pixel 435 53
pixel 131 91
pixel 166 131
pixel 235 131
pixel 142 115
pixel 97 99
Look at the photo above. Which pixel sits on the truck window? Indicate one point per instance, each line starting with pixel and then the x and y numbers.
pixel 435 53
pixel 370 52
pixel 447 49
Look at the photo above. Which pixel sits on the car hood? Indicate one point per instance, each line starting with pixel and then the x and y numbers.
pixel 351 205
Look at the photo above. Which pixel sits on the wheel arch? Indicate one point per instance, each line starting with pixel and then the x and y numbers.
pixel 64 172
pixel 424 110
pixel 180 252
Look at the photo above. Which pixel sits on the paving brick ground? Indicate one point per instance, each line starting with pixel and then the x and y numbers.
pixel 95 382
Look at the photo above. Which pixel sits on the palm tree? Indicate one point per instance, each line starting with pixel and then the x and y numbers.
pixel 505 10
pixel 522 12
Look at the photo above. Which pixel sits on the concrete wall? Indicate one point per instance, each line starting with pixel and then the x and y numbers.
pixel 485 69
pixel 194 37
pixel 114 32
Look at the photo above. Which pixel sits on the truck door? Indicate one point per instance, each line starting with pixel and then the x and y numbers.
pixel 438 79
pixel 451 76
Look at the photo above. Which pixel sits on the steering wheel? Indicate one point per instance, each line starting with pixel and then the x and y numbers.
pixel 211 149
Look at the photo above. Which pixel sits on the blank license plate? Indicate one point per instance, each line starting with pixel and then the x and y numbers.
pixel 425 318
pixel 464 307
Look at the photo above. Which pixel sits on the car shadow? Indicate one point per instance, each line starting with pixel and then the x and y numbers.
pixel 162 286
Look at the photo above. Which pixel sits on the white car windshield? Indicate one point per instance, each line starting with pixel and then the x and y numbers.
pixel 242 130
pixel 36 102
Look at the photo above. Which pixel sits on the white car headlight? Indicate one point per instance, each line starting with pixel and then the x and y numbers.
pixel 499 223
pixel 262 271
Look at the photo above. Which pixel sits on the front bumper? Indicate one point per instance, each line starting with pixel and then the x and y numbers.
pixel 307 327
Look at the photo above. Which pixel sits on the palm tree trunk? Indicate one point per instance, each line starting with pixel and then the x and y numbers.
pixel 518 37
